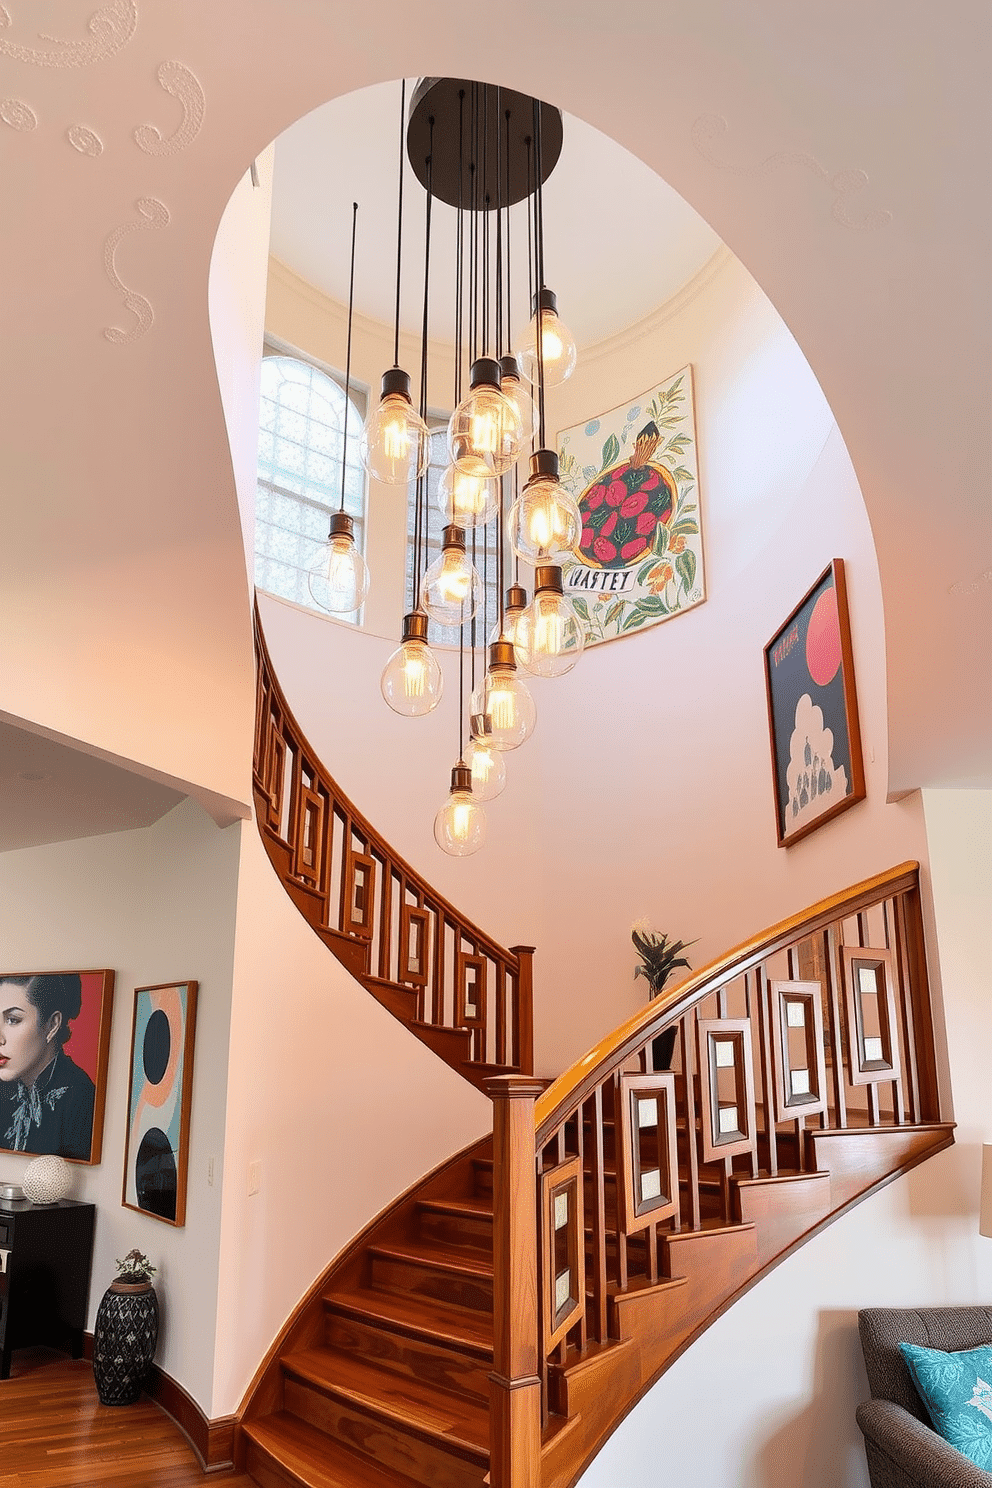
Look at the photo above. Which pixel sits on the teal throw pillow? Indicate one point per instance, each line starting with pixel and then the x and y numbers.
pixel 957 1391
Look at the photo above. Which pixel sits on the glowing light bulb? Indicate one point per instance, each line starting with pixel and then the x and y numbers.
pixel 484 760
pixel 395 443
pixel 544 519
pixel 412 681
pixel 467 500
pixel 556 635
pixel 557 344
pixel 506 699
pixel 339 577
pixel 517 395
pixel 460 825
pixel 484 433
pixel 452 590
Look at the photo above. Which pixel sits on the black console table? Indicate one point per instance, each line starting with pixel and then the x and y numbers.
pixel 46 1251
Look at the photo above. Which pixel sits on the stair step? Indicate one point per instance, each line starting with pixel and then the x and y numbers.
pixel 482 1175
pixel 285 1452
pixel 433 1415
pixel 419 1318
pixel 462 1277
pixel 457 1222
pixel 427 1353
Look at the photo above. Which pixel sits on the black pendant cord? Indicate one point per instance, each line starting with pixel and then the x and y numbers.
pixel 539 268
pixel 461 694
pixel 460 251
pixel 347 365
pixel 420 513
pixel 506 197
pixel 399 229
pixel 531 294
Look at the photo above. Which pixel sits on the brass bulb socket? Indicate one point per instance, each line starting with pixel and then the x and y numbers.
pixel 415 626
pixel 453 536
pixel 481 725
pixel 461 777
pixel 544 462
pixel 501 656
pixel 342 525
pixel 548 579
pixel 516 597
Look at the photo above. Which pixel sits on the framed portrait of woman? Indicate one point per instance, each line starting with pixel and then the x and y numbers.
pixel 54 1049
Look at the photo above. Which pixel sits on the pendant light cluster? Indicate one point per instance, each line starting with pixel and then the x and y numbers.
pixel 480 149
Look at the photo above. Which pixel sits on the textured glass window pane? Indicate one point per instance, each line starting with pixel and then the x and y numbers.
pixel 647 1113
pixel 561 1210
pixel 799 1079
pixel 650 1184
pixel 724 1053
pixel 563 1290
pixel 795 1014
pixel 728 1119
pixel 873 1048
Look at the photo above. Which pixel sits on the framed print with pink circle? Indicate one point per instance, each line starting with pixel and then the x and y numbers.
pixel 160 1089
pixel 813 711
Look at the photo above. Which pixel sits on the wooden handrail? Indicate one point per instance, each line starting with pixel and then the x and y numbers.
pixel 461 992
pixel 574 1083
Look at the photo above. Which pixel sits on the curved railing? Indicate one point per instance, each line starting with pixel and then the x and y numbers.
pixel 461 993
pixel 702 1140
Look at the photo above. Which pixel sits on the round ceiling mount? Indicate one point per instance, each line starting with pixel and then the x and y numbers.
pixel 494 149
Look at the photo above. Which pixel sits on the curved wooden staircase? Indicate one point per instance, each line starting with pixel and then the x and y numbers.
pixel 497 1322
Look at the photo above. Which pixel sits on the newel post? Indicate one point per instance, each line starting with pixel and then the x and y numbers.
pixel 515 1412
pixel 523 1024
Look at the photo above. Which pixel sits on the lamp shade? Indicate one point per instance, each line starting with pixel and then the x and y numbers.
pixel 985 1206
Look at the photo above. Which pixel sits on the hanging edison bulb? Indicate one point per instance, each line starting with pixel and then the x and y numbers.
pixel 544 519
pixel 516 393
pixel 339 577
pixel 395 443
pixel 484 436
pixel 460 825
pixel 412 680
pixel 452 590
pixel 484 760
pixel 506 699
pixel 557 344
pixel 515 627
pixel 465 499
pixel 554 631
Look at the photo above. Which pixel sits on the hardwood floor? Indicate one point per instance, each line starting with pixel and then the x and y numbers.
pixel 54 1432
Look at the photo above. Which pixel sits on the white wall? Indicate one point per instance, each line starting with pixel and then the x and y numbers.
pixel 156 905
pixel 339 1104
pixel 771 1388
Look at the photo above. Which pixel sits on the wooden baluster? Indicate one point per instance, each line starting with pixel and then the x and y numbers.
pixel 598 1214
pixel 437 970
pixel 523 1012
pixel 749 1013
pixel 620 1231
pixel 688 1035
pixel 831 947
pixel 515 1402
pixel 901 964
pixel 765 1036
pixel 500 970
pixel 899 1034
pixel 385 917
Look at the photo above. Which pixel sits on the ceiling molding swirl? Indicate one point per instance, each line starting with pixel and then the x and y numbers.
pixel 111 28
pixel 182 84
pixel 155 214
pixel 709 129
pixel 17 114
pixel 86 141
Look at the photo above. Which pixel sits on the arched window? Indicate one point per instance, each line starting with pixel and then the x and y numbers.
pixel 300 438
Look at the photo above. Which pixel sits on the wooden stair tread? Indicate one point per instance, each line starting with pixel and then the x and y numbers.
pixel 424 1409
pixel 314 1459
pixel 418 1317
pixel 438 1257
pixel 476 1206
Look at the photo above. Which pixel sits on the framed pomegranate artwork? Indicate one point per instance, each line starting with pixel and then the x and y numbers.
pixel 634 474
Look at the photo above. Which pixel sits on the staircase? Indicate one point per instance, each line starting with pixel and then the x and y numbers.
pixel 496 1323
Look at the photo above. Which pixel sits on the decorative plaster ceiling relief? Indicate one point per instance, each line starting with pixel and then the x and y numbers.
pixel 180 83
pixel 156 214
pixel 111 28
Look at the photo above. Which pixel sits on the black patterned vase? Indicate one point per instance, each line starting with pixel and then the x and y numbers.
pixel 124 1341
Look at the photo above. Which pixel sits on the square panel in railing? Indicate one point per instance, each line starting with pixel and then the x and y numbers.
pixel 471 987
pixel 726 1081
pixel 648 1158
pixel 308 848
pixel 873 1045
pixel 359 896
pixel 413 945
pixel 563 1278
pixel 797 1033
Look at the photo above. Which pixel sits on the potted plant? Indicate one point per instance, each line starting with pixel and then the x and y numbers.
pixel 126 1332
pixel 659 958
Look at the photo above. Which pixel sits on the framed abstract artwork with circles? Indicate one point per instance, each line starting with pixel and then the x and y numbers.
pixel 813 711
pixel 160 1089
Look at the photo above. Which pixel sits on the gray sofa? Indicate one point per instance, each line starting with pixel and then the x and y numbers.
pixel 902 1448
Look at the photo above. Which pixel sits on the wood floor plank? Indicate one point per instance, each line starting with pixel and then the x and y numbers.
pixel 54 1433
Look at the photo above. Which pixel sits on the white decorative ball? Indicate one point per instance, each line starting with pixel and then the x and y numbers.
pixel 47 1179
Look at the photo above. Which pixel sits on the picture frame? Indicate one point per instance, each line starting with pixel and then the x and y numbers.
pixel 159 1101
pixel 36 1010
pixel 817 765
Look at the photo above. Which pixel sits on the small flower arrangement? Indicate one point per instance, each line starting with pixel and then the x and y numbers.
pixel 135 1268
pixel 659 955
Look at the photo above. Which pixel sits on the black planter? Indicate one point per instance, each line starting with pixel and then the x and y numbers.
pixel 124 1341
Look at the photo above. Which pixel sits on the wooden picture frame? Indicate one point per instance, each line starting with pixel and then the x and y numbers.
pixel 36 1010
pixel 817 767
pixel 648 1181
pixel 160 1094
